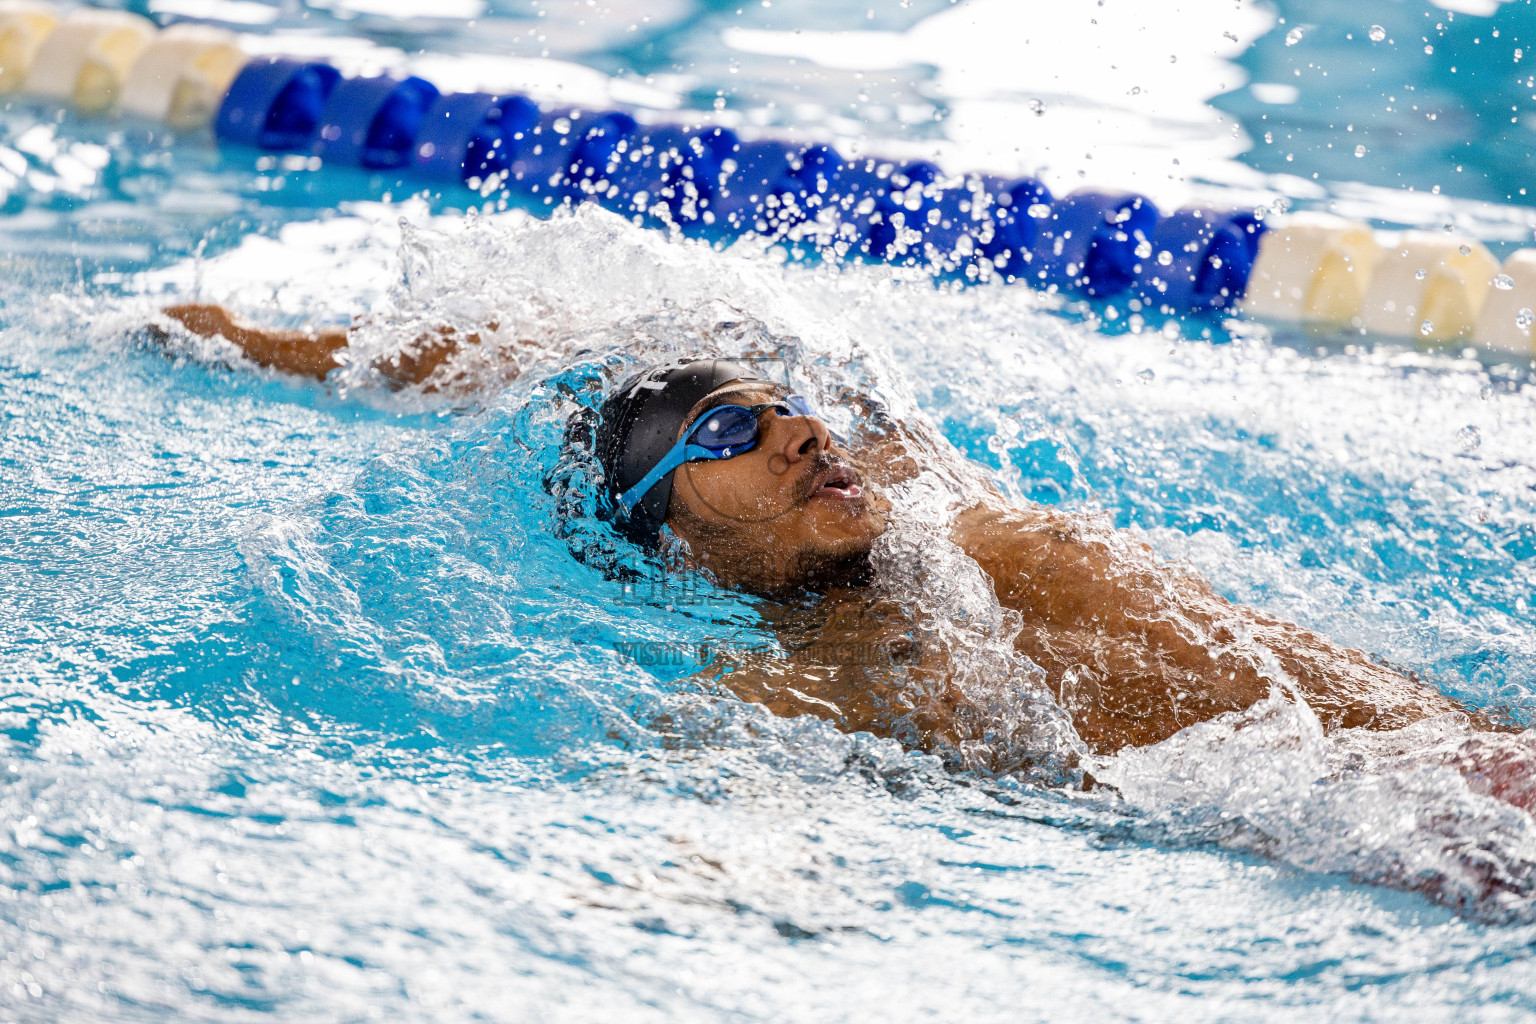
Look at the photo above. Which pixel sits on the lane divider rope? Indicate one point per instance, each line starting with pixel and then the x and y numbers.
pixel 86 57
pixel 182 76
pixel 706 182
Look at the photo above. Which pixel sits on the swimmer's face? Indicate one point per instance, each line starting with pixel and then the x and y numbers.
pixel 791 512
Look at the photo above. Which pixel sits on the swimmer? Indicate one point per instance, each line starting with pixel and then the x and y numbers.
pixel 745 481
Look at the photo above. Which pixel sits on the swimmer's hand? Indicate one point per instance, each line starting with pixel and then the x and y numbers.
pixel 306 353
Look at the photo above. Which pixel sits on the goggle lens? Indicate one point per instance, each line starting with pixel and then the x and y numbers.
pixel 728 427
pixel 733 428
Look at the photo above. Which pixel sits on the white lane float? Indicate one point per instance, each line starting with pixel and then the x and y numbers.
pixel 182 75
pixel 1505 322
pixel 1428 285
pixel 1312 268
pixel 86 58
pixel 23 27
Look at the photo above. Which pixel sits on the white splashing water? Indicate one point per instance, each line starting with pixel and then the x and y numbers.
pixel 1391 809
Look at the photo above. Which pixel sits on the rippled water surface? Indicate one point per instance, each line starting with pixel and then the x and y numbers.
pixel 306 714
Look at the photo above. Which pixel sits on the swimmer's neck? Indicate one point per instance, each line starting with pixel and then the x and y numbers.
pixel 800 582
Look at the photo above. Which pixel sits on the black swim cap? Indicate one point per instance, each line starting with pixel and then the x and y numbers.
pixel 638 425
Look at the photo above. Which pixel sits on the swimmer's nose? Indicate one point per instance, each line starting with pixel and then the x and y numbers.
pixel 800 437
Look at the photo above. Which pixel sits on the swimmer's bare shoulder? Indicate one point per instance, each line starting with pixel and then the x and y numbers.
pixel 1137 650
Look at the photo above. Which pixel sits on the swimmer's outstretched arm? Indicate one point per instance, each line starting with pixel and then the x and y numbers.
pixel 314 353
pixel 305 353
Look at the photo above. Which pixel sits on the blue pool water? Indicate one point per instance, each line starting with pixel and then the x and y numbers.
pixel 306 715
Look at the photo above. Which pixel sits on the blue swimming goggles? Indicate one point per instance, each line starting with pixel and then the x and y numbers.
pixel 723 432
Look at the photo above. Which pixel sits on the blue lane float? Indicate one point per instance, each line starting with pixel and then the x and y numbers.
pixel 373 122
pixel 1092 243
pixel 468 135
pixel 926 218
pixel 706 182
pixel 275 104
pixel 691 165
pixel 658 174
pixel 751 186
pixel 539 162
pixel 1017 210
pixel 851 191
pixel 1201 262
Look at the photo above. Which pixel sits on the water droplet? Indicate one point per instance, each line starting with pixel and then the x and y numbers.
pixel 1469 437
pixel 1039 211
pixel 1378 33
pixel 1037 107
pixel 1426 328
pixel 1164 258
pixel 1486 392
pixel 1146 376
pixel 563 125
pixel 1503 282
pixel 1421 274
pixel 1293 36
pixel 1359 151
pixel 1525 318
pixel 1143 249
pixel 1464 249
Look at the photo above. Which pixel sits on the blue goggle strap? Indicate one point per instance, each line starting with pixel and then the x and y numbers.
pixel 681 452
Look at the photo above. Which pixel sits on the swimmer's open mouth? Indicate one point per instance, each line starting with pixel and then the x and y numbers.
pixel 837 482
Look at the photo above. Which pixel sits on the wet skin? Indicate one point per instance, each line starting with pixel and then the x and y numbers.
pixel 791 510
pixel 1134 650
